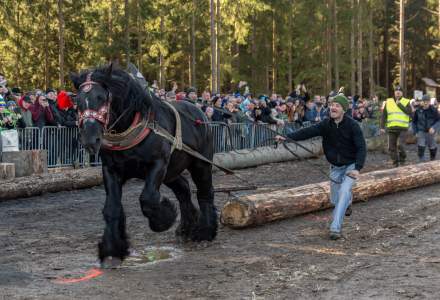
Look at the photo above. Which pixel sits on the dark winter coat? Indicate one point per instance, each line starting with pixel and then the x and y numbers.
pixel 424 119
pixel 343 143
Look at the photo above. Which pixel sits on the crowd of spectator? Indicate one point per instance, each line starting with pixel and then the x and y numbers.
pixel 297 107
pixel 35 108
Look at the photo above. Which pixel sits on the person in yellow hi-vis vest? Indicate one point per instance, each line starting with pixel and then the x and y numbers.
pixel 396 119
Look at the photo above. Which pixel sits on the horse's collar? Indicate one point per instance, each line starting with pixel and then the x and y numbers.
pixel 136 133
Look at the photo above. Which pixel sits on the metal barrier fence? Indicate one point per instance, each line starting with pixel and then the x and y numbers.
pixel 64 149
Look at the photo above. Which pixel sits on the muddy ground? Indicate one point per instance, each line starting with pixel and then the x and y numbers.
pixel 391 249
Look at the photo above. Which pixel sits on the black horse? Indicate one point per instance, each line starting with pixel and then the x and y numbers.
pixel 110 97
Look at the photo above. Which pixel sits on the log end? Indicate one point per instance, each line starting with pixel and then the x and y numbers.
pixel 236 214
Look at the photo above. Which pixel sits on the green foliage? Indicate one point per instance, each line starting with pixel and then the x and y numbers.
pixel 254 35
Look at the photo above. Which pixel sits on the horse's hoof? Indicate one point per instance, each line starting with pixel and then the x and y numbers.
pixel 111 262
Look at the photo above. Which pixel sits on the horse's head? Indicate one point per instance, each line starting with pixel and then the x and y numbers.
pixel 94 99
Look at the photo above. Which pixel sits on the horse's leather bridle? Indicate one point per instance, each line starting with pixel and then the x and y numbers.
pixel 102 115
pixel 136 133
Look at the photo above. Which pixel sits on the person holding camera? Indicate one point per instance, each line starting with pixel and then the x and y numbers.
pixel 41 113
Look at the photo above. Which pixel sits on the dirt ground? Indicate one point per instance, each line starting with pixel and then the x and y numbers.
pixel 390 250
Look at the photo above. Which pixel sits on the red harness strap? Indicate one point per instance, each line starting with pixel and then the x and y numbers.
pixel 140 136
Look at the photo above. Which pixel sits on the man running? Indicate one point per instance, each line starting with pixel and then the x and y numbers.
pixel 345 149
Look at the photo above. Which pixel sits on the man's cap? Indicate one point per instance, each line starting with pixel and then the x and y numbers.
pixel 342 100
pixel 426 98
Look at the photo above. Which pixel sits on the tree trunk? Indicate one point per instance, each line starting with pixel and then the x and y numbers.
pixel 46 46
pixel 126 31
pixel 360 44
pixel 50 183
pixel 61 42
pixel 18 45
pixel 193 45
pixel 139 36
pixel 289 50
pixel 254 52
pixel 370 53
pixel 385 47
pixel 213 48
pixel 402 72
pixel 336 44
pixel 329 51
pixel 274 53
pixel 352 50
pixel 258 209
pixel 161 63
pixel 217 44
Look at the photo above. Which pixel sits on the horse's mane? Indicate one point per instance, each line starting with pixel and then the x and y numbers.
pixel 127 93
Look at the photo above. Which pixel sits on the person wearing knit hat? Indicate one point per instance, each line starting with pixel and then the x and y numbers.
pixel 342 100
pixel 345 149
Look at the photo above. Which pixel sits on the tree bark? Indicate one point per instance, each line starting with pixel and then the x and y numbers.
pixel 61 42
pixel 161 63
pixel 46 46
pixel 274 53
pixel 193 45
pixel 139 36
pixel 254 51
pixel 126 31
pixel 258 209
pixel 217 44
pixel 18 45
pixel 370 53
pixel 352 50
pixel 335 43
pixel 402 72
pixel 50 183
pixel 213 48
pixel 385 47
pixel 328 50
pixel 289 50
pixel 360 48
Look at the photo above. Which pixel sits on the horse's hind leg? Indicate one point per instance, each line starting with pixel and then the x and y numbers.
pixel 188 213
pixel 159 210
pixel 206 229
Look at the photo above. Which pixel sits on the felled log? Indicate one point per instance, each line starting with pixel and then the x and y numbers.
pixel 49 183
pixel 27 162
pixel 257 209
pixel 7 171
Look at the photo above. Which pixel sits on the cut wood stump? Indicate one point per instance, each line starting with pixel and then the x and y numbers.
pixel 7 171
pixel 27 162
pixel 258 209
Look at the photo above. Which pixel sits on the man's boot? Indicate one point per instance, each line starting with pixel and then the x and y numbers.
pixel 432 153
pixel 394 159
pixel 402 158
pixel 421 153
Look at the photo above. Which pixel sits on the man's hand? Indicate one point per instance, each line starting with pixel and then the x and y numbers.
pixel 431 130
pixel 353 174
pixel 280 138
pixel 382 131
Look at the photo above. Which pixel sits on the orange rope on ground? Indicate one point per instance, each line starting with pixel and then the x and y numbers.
pixel 93 273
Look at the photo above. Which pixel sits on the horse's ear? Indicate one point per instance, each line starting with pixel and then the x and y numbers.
pixel 75 80
pixel 109 70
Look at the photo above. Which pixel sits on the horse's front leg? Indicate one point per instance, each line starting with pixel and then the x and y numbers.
pixel 114 245
pixel 159 210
